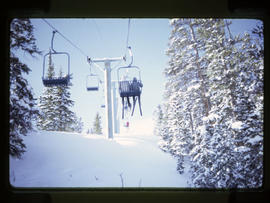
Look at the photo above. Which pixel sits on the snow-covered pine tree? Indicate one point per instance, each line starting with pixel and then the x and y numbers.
pixel 97 129
pixel 223 136
pixel 78 125
pixel 55 106
pixel 161 128
pixel 66 118
pixel 213 157
pixel 249 112
pixel 223 158
pixel 22 103
pixel 259 40
pixel 188 101
pixel 48 103
pixel 158 116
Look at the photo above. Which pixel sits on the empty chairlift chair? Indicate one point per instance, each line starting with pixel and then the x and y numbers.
pixel 92 82
pixel 56 81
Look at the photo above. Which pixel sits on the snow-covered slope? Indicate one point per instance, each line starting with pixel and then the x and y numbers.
pixel 58 159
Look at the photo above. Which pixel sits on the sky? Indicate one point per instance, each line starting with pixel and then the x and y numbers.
pixel 105 38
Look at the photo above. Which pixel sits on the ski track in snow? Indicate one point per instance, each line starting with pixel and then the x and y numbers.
pixel 58 159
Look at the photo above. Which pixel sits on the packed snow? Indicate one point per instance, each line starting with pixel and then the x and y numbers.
pixel 59 159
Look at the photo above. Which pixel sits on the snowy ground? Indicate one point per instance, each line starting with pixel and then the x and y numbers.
pixel 57 159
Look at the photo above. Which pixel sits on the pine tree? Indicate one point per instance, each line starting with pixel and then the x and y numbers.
pixel 22 102
pixel 78 125
pixel 223 152
pixel 249 108
pixel 55 105
pixel 97 129
pixel 213 156
pixel 213 108
pixel 47 104
pixel 158 115
pixel 161 128
pixel 65 116
pixel 186 99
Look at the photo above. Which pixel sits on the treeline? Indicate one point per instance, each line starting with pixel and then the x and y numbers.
pixel 212 114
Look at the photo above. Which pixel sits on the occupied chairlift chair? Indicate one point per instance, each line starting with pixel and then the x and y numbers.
pixel 56 81
pixel 130 88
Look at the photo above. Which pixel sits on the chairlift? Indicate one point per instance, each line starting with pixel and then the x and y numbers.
pixel 92 82
pixel 126 80
pixel 130 85
pixel 56 81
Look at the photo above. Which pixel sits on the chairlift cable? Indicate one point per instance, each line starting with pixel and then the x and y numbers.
pixel 98 30
pixel 74 45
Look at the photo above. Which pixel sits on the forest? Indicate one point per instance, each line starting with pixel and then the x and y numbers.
pixel 212 114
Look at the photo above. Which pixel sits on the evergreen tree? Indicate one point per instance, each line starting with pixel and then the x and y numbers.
pixel 77 125
pixel 213 157
pixel 249 108
pixel 213 103
pixel 22 103
pixel 161 129
pixel 259 41
pixel 48 104
pixel 186 99
pixel 55 105
pixel 97 129
pixel 65 116
pixel 158 116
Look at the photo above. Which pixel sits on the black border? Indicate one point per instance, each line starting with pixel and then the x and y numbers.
pixel 123 9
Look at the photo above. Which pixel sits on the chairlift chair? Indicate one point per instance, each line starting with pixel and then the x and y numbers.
pixel 92 82
pixel 56 81
pixel 126 87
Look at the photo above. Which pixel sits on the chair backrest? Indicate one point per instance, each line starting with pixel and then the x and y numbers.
pixel 124 86
pixel 129 88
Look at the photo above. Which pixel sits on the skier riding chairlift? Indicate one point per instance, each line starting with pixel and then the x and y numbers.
pixel 125 89
pixel 135 87
pixel 132 89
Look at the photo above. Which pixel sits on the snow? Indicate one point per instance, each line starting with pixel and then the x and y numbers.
pixel 201 129
pixel 58 159
pixel 211 117
pixel 255 139
pixel 242 149
pixel 237 125
pixel 194 87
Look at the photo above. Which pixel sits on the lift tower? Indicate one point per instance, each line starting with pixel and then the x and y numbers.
pixel 108 98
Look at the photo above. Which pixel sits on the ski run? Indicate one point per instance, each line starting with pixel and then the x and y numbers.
pixel 58 159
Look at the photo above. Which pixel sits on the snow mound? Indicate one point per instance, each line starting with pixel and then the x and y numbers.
pixel 58 159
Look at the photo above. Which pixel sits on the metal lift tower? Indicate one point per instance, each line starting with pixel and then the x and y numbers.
pixel 108 96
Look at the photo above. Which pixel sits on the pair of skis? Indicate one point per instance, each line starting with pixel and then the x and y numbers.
pixel 134 103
